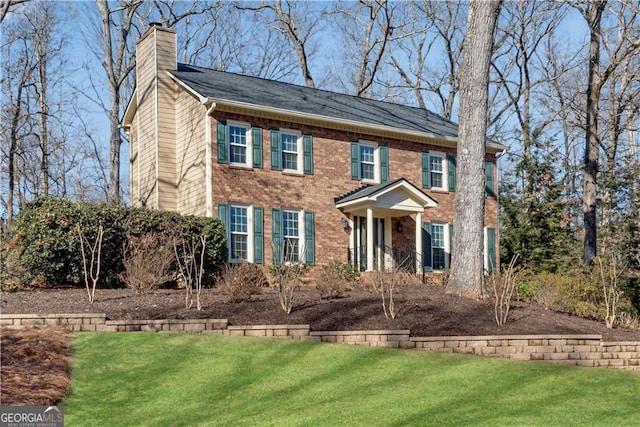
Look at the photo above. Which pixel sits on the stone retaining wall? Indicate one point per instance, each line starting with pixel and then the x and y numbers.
pixel 577 350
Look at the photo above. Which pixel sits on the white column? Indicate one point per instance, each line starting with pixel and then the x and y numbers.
pixel 369 239
pixel 419 262
pixel 388 241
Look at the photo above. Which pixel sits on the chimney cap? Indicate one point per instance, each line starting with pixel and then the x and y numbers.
pixel 155 24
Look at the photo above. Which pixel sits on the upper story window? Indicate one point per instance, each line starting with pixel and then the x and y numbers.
pixel 438 171
pixel 369 162
pixel 239 144
pixel 291 151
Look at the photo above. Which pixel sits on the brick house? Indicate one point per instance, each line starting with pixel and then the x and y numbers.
pixel 296 173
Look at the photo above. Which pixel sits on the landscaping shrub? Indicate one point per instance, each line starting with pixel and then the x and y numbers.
pixel 287 278
pixel 148 262
pixel 241 281
pixel 336 278
pixel 48 246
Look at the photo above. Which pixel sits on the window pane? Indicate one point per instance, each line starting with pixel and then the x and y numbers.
pixel 237 144
pixel 291 231
pixel 289 151
pixel 436 172
pixel 239 232
pixel 239 246
pixel 437 246
pixel 291 250
pixel 367 162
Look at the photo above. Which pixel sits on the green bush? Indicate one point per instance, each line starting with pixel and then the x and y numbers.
pixel 46 237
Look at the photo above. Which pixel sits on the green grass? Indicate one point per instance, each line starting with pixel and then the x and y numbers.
pixel 144 379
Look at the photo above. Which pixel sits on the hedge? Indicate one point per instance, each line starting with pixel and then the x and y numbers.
pixel 47 239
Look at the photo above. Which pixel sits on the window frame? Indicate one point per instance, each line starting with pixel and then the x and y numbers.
pixel 299 151
pixel 299 237
pixel 376 161
pixel 444 172
pixel 248 143
pixel 249 233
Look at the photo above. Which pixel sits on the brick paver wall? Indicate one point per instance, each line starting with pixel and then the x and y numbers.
pixel 576 350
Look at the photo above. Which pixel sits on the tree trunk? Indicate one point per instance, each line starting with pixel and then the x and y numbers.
pixel 467 272
pixel 589 194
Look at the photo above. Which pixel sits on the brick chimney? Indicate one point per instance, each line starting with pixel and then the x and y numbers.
pixel 153 158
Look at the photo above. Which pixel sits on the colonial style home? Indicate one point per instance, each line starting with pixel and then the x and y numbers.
pixel 295 173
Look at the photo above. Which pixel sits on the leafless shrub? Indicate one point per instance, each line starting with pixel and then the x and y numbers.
pixel 286 274
pixel 627 321
pixel 241 281
pixel 609 271
pixel 385 282
pixel 91 264
pixel 147 262
pixel 335 279
pixel 190 255
pixel 503 284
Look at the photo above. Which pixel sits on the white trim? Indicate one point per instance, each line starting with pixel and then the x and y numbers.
pixel 208 160
pixel 299 151
pixel 248 141
pixel 445 170
pixel 250 233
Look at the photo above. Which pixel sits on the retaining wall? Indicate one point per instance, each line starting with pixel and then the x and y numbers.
pixel 577 350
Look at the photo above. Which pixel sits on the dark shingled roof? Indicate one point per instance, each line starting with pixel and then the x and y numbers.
pixel 368 190
pixel 220 85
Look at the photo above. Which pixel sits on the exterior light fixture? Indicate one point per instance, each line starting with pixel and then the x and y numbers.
pixel 343 222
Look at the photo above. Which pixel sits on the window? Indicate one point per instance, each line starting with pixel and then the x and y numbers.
pixel 434 171
pixel 437 243
pixel 369 162
pixel 437 180
pixel 239 231
pixel 290 152
pixel 244 226
pixel 291 236
pixel 237 144
pixel 437 246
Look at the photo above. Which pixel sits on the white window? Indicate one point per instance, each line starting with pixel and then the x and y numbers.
pixel 368 162
pixel 437 171
pixel 239 138
pixel 291 235
pixel 291 148
pixel 240 234
pixel 438 246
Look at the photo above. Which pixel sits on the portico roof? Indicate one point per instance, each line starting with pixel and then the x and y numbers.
pixel 395 198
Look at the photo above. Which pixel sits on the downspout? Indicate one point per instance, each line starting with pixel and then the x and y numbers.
pixel 211 106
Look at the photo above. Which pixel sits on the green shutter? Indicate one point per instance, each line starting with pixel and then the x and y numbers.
pixel 275 150
pixel 307 147
pixel 258 235
pixel 451 168
pixel 221 135
pixel 223 215
pixel 256 137
pixel 276 235
pixel 488 169
pixel 309 238
pixel 491 248
pixel 426 171
pixel 426 246
pixel 450 243
pixel 384 164
pixel 355 160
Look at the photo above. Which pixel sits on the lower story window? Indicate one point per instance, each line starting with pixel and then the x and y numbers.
pixel 239 233
pixel 438 249
pixel 291 235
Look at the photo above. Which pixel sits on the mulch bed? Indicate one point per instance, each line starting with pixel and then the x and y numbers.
pixel 34 365
pixel 425 310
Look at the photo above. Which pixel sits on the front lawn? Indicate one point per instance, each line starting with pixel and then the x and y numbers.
pixel 144 379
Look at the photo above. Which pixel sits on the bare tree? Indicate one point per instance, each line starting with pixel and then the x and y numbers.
pixel 6 5
pixel 593 11
pixel 467 272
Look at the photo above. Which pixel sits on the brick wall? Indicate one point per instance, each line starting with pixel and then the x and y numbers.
pixel 576 350
pixel 332 178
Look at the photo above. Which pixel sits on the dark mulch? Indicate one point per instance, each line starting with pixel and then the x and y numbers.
pixel 425 310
